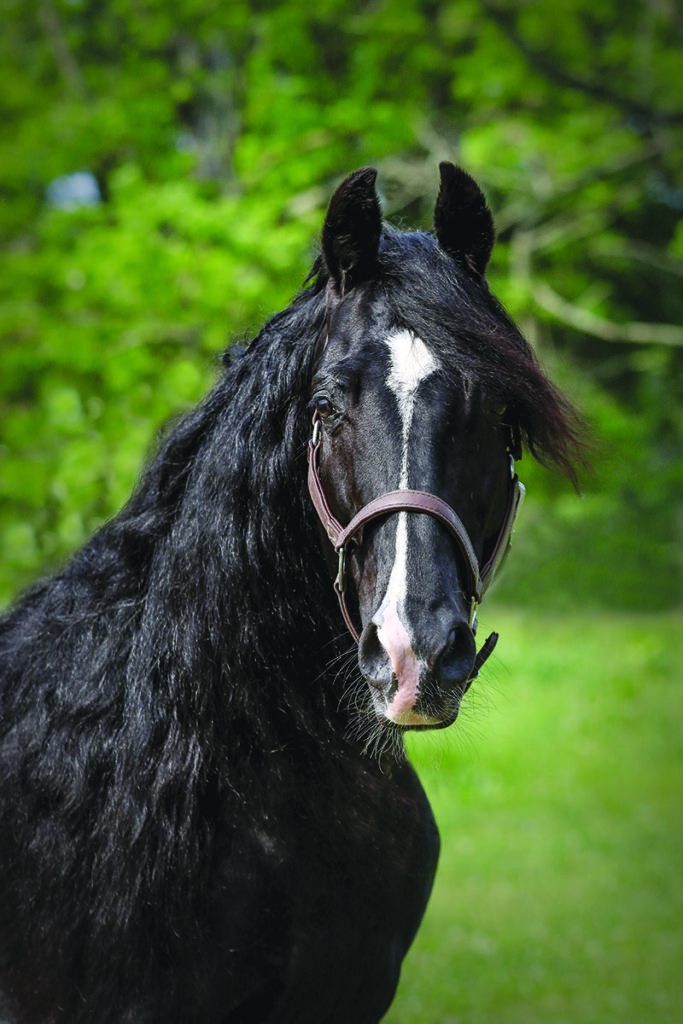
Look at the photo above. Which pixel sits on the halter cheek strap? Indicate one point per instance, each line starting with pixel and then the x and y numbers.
pixel 407 500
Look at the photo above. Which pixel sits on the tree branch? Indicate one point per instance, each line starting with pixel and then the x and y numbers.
pixel 640 251
pixel 550 68
pixel 589 323
pixel 64 58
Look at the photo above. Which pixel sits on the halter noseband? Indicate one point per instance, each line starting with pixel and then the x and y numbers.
pixel 407 500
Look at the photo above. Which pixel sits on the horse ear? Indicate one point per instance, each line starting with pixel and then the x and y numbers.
pixel 462 220
pixel 352 228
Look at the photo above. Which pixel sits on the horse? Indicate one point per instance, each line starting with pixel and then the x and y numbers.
pixel 206 809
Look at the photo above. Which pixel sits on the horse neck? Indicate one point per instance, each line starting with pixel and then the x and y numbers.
pixel 238 601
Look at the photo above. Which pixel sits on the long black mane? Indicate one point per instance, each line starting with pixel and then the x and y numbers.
pixel 197 633
pixel 186 615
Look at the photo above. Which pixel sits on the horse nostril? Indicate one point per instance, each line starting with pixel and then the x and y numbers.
pixel 455 661
pixel 373 660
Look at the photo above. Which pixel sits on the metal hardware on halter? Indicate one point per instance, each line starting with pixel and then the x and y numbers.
pixel 472 621
pixel 340 582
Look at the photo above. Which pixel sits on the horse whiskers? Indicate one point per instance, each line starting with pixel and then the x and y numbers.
pixel 378 740
pixel 346 659
pixel 375 736
pixel 341 665
pixel 354 695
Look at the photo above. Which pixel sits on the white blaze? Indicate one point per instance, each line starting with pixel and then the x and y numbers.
pixel 411 363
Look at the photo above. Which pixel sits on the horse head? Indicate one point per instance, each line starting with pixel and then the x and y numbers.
pixel 410 465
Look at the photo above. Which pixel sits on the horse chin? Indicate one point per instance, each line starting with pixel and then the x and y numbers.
pixel 412 718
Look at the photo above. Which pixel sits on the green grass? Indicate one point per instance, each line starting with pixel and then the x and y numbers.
pixel 558 796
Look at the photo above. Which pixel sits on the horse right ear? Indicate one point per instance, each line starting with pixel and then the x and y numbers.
pixel 462 220
pixel 352 229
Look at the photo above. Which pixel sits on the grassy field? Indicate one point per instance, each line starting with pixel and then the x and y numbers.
pixel 559 799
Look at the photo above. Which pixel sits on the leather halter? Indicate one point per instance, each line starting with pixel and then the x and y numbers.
pixel 407 500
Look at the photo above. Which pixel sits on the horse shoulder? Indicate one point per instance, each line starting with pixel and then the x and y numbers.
pixel 330 888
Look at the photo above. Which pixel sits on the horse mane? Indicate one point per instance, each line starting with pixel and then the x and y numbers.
pixel 225 511
pixel 173 640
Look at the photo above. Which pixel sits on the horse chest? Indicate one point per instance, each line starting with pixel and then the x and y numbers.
pixel 329 898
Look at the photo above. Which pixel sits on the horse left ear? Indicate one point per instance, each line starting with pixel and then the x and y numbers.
pixel 352 228
pixel 462 220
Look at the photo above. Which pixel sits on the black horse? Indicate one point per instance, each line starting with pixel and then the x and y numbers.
pixel 206 814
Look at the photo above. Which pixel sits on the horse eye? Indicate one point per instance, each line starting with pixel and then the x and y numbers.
pixel 324 408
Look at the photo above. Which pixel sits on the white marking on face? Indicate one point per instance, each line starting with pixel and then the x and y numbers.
pixel 411 363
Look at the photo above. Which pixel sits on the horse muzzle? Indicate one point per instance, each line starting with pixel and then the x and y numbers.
pixel 416 686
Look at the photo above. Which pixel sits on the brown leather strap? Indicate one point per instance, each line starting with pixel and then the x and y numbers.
pixel 416 501
pixel 331 525
pixel 393 501
pixel 346 613
pixel 485 650
pixel 515 498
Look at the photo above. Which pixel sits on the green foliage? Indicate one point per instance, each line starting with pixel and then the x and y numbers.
pixel 558 801
pixel 615 545
pixel 217 132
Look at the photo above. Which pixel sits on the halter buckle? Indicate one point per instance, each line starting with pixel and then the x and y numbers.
pixel 316 432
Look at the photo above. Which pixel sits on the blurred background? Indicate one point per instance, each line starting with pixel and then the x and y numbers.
pixel 164 172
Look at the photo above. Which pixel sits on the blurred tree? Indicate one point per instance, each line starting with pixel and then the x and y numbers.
pixel 164 172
